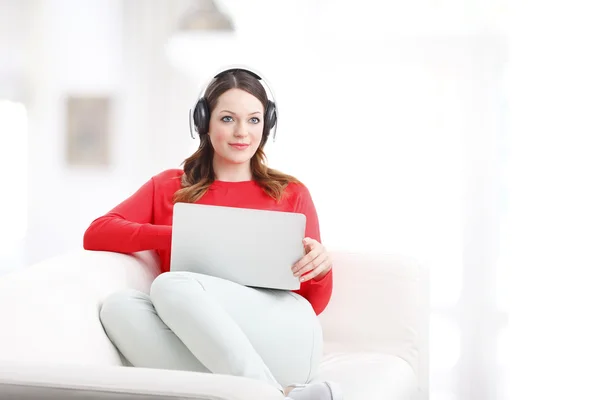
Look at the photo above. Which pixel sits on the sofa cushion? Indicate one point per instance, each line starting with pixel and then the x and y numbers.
pixel 369 376
pixel 101 382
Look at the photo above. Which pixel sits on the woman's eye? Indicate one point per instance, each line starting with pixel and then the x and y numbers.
pixel 255 120
pixel 227 118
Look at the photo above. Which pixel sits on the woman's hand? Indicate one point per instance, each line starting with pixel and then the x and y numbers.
pixel 315 264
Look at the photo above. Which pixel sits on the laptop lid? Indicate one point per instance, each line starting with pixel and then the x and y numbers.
pixel 250 247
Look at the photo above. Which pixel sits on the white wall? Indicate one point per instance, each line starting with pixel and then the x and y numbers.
pixel 13 36
pixel 75 50
pixel 553 87
pixel 13 130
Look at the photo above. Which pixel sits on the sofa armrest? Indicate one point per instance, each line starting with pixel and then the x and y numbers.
pixel 50 309
pixel 380 303
pixel 101 270
pixel 26 381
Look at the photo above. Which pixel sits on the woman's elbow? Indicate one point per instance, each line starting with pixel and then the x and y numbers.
pixel 89 239
pixel 92 235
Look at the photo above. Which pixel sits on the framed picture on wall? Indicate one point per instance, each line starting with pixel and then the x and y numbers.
pixel 88 131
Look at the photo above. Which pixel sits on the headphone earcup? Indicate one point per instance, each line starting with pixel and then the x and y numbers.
pixel 270 118
pixel 201 117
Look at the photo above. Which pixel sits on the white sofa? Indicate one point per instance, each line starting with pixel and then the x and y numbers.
pixel 52 342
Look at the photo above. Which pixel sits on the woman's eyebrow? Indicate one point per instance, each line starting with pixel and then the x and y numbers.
pixel 231 112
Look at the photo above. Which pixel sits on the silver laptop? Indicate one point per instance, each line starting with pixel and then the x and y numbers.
pixel 251 247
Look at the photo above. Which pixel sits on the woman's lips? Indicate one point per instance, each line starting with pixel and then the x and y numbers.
pixel 239 146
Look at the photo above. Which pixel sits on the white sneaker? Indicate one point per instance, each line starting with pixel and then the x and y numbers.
pixel 316 391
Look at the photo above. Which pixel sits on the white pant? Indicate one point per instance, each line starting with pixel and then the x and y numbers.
pixel 201 323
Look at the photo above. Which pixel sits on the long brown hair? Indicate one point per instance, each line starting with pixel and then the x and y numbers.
pixel 198 168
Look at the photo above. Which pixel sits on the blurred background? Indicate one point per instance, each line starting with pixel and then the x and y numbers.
pixel 461 133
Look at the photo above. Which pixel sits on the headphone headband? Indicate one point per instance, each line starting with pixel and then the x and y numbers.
pixel 199 115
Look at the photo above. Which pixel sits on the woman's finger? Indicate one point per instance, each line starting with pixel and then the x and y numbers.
pixel 308 258
pixel 311 265
pixel 317 271
pixel 311 243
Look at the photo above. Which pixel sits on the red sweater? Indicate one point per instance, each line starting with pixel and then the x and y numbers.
pixel 144 220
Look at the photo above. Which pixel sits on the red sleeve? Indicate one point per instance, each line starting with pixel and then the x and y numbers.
pixel 318 293
pixel 128 227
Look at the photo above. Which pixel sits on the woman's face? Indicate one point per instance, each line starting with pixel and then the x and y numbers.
pixel 235 127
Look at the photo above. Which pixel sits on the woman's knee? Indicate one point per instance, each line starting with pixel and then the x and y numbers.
pixel 173 286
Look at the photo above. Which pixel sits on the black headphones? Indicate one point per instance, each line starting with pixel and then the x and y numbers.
pixel 199 116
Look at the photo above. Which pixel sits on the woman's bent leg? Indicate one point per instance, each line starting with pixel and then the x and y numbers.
pixel 270 335
pixel 133 326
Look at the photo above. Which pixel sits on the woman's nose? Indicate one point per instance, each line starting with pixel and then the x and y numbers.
pixel 241 130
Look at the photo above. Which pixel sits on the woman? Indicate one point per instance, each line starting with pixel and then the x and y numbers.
pixel 198 322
